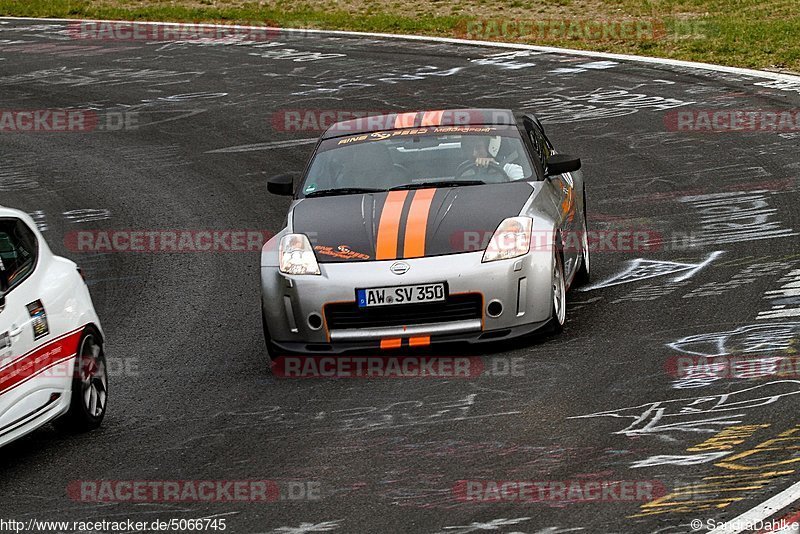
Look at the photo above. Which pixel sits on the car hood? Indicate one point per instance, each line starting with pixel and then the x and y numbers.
pixel 407 224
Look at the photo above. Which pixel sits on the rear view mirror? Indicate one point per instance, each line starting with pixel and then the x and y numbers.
pixel 281 184
pixel 562 163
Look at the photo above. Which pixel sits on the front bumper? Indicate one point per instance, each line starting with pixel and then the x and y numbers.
pixel 295 306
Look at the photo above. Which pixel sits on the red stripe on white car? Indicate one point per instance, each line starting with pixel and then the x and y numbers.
pixel 39 360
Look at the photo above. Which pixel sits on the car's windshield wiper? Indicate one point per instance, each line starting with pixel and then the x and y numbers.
pixel 343 191
pixel 445 183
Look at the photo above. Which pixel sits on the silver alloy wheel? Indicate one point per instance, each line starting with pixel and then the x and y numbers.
pixel 559 292
pixel 585 244
pixel 93 377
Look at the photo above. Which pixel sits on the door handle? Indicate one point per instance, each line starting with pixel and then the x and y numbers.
pixel 16 332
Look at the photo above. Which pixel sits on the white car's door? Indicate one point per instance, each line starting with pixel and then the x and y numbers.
pixel 33 374
pixel 13 344
pixel 16 336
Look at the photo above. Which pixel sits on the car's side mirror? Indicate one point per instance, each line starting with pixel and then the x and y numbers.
pixel 562 163
pixel 281 184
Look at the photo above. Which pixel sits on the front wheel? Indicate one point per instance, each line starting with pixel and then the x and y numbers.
pixel 89 386
pixel 558 314
pixel 582 277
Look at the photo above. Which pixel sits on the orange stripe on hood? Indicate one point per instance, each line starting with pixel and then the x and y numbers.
pixel 417 225
pixel 389 226
pixel 405 120
pixel 432 118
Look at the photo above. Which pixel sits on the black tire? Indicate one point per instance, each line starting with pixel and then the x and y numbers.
pixel 558 316
pixel 89 402
pixel 583 276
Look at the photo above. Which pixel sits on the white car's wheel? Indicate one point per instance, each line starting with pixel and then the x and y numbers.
pixel 89 386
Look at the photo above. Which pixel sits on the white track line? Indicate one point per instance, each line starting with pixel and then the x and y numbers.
pixel 512 46
pixel 761 512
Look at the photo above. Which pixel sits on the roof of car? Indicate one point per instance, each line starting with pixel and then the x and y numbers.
pixel 5 211
pixel 420 119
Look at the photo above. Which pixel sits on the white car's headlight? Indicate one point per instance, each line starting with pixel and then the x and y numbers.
pixel 511 239
pixel 297 256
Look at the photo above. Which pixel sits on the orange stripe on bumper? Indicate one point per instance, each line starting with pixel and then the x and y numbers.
pixel 422 341
pixel 389 226
pixel 432 118
pixel 393 343
pixel 417 225
pixel 405 120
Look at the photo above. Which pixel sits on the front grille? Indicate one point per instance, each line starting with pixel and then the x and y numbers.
pixel 455 308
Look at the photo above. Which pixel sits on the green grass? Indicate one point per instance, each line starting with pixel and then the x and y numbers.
pixel 746 33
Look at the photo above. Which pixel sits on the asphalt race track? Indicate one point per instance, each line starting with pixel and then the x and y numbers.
pixel 193 398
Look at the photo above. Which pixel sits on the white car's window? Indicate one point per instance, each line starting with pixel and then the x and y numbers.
pixel 397 158
pixel 18 252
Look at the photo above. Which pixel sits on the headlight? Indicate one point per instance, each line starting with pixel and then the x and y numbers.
pixel 297 256
pixel 511 239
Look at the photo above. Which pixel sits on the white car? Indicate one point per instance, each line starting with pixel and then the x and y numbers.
pixel 52 366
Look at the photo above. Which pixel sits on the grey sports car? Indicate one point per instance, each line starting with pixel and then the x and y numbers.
pixel 416 228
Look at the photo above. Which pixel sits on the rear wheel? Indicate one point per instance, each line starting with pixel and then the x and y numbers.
pixel 89 386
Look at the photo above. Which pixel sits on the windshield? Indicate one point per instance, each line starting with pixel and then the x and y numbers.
pixel 418 157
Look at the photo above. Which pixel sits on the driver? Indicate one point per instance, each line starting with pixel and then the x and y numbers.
pixel 485 153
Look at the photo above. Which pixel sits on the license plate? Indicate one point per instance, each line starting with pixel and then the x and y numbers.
pixel 387 296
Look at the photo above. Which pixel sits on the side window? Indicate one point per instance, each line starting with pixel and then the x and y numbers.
pixel 541 145
pixel 18 251
pixel 532 147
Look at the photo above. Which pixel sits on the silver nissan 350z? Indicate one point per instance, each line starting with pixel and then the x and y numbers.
pixel 416 228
